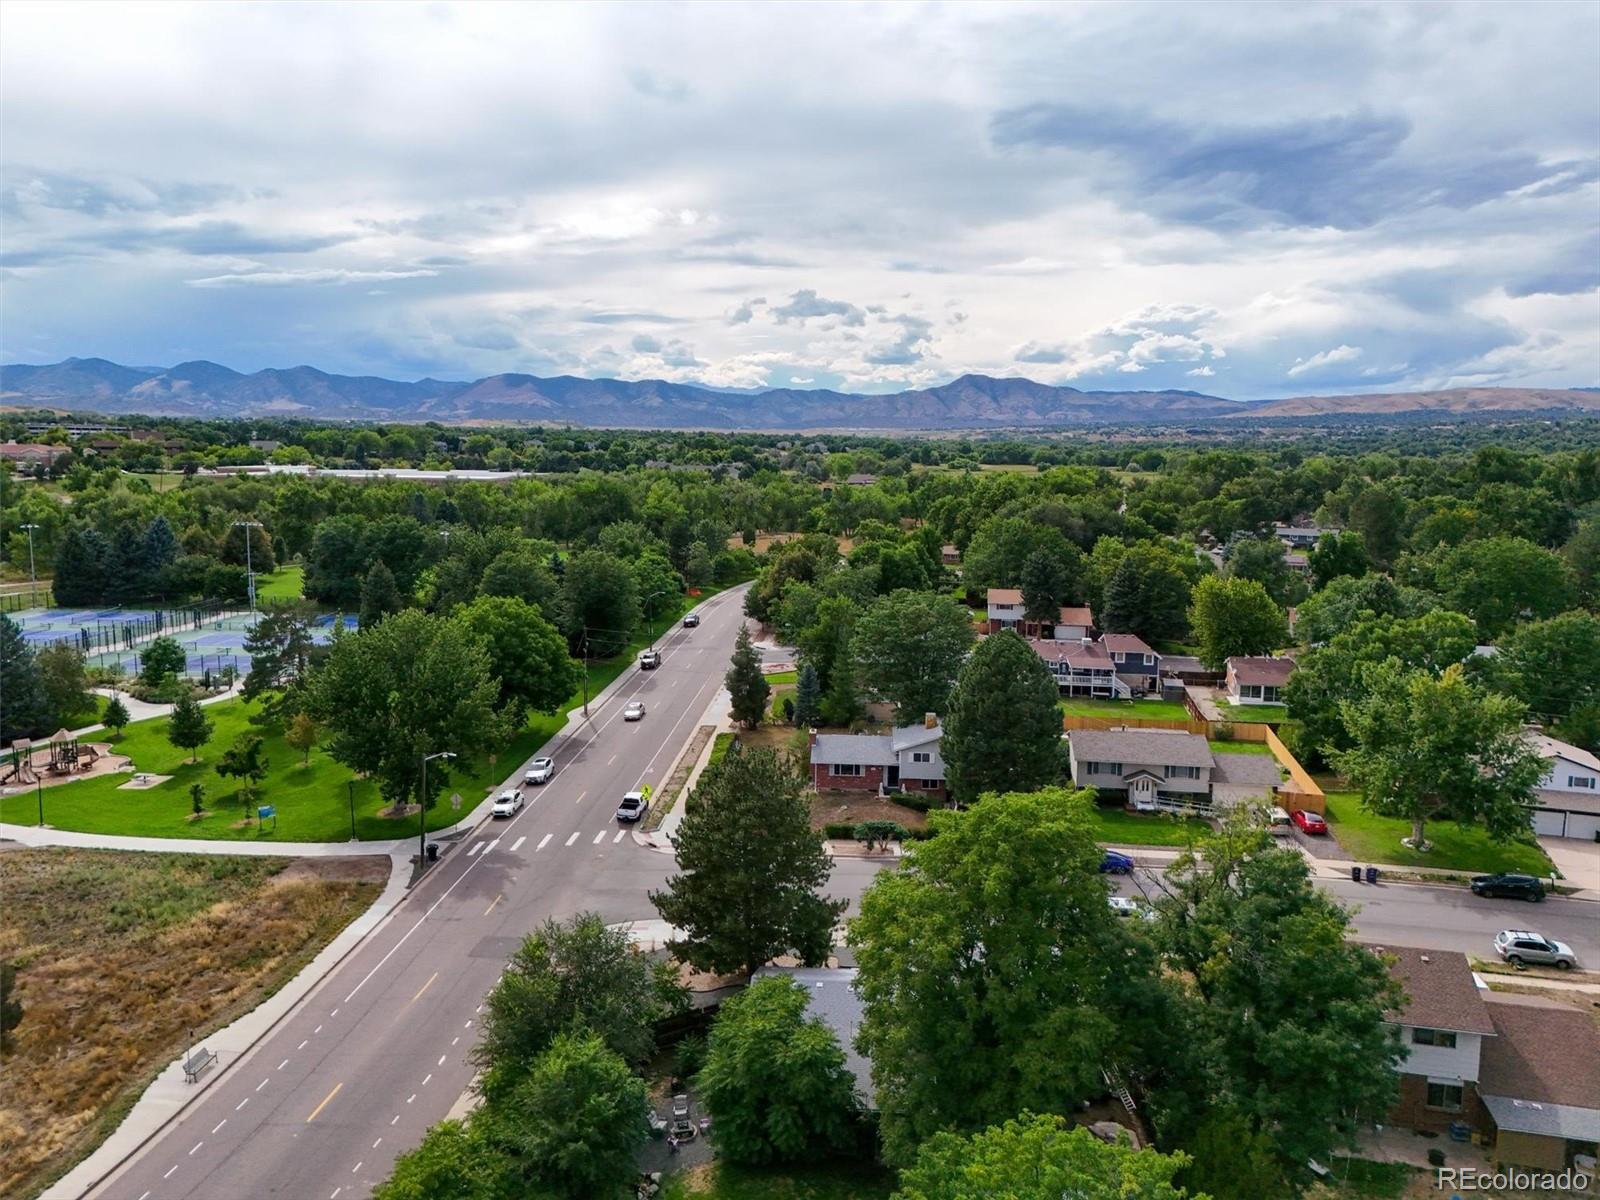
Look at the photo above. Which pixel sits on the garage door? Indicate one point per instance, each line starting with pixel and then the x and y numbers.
pixel 1549 824
pixel 1583 825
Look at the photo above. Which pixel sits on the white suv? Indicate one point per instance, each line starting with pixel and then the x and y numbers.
pixel 1518 946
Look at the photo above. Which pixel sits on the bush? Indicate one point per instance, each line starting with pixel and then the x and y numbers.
pixel 689 1055
pixel 1223 731
pixel 878 833
pixel 838 831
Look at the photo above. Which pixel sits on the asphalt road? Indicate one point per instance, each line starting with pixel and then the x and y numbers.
pixel 1444 918
pixel 380 1049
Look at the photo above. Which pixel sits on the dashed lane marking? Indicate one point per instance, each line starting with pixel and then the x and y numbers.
pixel 517 845
pixel 219 1125
pixel 573 838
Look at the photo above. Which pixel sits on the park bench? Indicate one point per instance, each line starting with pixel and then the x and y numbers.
pixel 199 1059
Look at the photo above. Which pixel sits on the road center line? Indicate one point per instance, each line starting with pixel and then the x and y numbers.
pixel 440 1063
pixel 196 1146
pixel 517 845
pixel 219 1125
pixel 283 1064
pixel 396 1120
pixel 492 903
pixel 241 1104
pixel 411 1097
pixel 612 760
pixel 324 1103
pixel 572 839
pixel 377 1143
pixel 261 1085
pixel 316 1031
pixel 543 842
pixel 423 988
pixel 170 1170
pixel 303 1044
pixel 427 1077
pixel 355 1168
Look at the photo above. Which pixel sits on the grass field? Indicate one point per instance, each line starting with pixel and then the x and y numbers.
pixel 283 584
pixel 1359 1179
pixel 1260 714
pixel 119 955
pixel 1122 828
pixel 1161 710
pixel 1233 747
pixel 1377 839
pixel 720 1181
pixel 777 677
pixel 313 802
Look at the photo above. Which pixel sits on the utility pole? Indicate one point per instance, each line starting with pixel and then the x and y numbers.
pixel 33 582
pixel 584 647
pixel 422 810
pixel 249 572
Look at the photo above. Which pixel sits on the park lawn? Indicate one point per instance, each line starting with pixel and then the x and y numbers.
pixel 777 677
pixel 1377 839
pixel 120 954
pixel 1089 706
pixel 723 1181
pixel 286 583
pixel 313 802
pixel 1361 1179
pixel 1260 714
pixel 1118 827
pixel 1235 747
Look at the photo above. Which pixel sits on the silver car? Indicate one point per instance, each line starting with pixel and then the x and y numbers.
pixel 1519 947
pixel 634 711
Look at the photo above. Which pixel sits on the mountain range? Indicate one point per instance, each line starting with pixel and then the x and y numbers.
pixel 207 389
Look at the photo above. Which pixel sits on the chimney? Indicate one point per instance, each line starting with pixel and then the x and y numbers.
pixel 930 720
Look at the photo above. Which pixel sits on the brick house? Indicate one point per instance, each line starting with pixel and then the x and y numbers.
pixel 1006 610
pixel 1257 680
pixel 906 759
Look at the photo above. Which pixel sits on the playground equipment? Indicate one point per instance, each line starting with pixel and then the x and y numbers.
pixel 19 767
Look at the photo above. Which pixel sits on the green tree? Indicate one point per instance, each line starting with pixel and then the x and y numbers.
pixel 775 1079
pixel 1233 1162
pixel 414 685
pixel 302 736
pixel 600 601
pixel 1378 514
pixel 574 976
pixel 261 559
pixel 455 1160
pixel 573 1123
pixel 1232 617
pixel 24 710
pixel 807 697
pixel 188 728
pixel 1003 730
pixel 82 567
pixel 1553 666
pixel 1345 601
pixel 745 682
pixel 1582 553
pixel 1147 595
pixel 197 798
pixel 1002 545
pixel 161 661
pixel 527 654
pixel 523 574
pixel 245 761
pixel 64 683
pixel 337 562
pixel 994 975
pixel 1045 585
pixel 1282 1022
pixel 1499 581
pixel 1262 560
pixel 379 595
pixel 1431 748
pixel 1038 1158
pixel 749 870
pixel 1338 556
pixel 907 649
pixel 281 651
pixel 115 717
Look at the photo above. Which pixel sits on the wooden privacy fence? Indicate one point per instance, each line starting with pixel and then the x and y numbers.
pixel 1301 791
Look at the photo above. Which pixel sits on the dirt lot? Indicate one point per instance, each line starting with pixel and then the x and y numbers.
pixel 119 955
pixel 851 808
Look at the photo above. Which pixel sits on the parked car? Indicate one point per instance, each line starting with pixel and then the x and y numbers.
pixel 1513 887
pixel 1310 822
pixel 691 620
pixel 1518 946
pixel 649 660
pixel 633 806
pixel 507 804
pixel 1116 864
pixel 634 711
pixel 539 771
pixel 1278 821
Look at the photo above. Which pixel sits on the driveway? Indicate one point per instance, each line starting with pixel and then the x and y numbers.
pixel 1577 860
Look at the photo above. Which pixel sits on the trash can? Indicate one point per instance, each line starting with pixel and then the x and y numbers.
pixel 433 851
pixel 1355 874
pixel 1372 874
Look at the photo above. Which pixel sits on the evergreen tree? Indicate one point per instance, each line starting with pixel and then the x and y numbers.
pixel 807 697
pixel 1045 585
pixel 159 549
pixel 841 703
pixel 750 867
pixel 1003 731
pixel 379 595
pixel 188 728
pixel 82 561
pixel 1147 595
pixel 22 700
pixel 745 682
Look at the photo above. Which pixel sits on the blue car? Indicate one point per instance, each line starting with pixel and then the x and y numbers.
pixel 1116 864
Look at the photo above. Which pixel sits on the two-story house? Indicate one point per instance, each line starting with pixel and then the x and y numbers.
pixel 1567 801
pixel 1257 680
pixel 1522 1071
pixel 905 760
pixel 1082 668
pixel 1006 610
pixel 1135 663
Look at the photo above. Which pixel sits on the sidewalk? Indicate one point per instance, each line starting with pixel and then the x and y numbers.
pixel 169 1094
pixel 716 714
pixel 401 849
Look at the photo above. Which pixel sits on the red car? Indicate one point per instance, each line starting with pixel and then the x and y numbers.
pixel 1310 822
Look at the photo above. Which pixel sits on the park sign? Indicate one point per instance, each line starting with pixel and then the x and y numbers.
pixel 265 811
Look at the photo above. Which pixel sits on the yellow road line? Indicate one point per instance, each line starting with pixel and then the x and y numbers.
pixel 487 911
pixel 324 1103
pixel 423 988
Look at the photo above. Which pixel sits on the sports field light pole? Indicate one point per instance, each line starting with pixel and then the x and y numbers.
pixel 249 573
pixel 33 582
pixel 422 809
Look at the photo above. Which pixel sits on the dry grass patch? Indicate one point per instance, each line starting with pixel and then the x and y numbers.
pixel 842 807
pixel 119 955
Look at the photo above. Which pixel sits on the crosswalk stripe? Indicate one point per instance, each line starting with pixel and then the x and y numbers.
pixel 599 837
pixel 517 845
pixel 476 847
pixel 491 845
pixel 572 839
pixel 621 833
pixel 544 841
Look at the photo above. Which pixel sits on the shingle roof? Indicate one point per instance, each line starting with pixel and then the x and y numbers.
pixel 1161 747
pixel 1274 672
pixel 1125 643
pixel 1547 1053
pixel 1072 652
pixel 832 998
pixel 1076 616
pixel 1442 992
pixel 1005 596
pixel 870 750
pixel 1551 747
pixel 908 736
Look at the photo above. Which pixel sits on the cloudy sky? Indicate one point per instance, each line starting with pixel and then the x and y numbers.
pixel 1250 200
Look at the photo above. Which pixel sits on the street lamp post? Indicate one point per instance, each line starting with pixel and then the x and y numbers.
pixel 33 582
pixel 249 570
pixel 647 612
pixel 422 810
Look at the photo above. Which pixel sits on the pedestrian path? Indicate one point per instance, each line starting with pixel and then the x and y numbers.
pixel 32 835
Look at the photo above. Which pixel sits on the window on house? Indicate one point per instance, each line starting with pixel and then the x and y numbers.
pixel 845 769
pixel 1183 772
pixel 1434 1037
pixel 1146 660
pixel 1580 781
pixel 921 756
pixel 1250 691
pixel 1444 1095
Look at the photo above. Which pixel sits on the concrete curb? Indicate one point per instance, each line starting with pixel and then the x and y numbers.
pixel 169 1095
pixel 659 839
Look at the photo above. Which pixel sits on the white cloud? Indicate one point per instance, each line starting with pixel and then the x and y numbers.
pixel 305 276
pixel 1202 372
pixel 1328 358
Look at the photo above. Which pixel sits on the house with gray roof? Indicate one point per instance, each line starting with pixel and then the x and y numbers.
pixel 832 998
pixel 904 760
pixel 1567 800
pixel 1168 769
